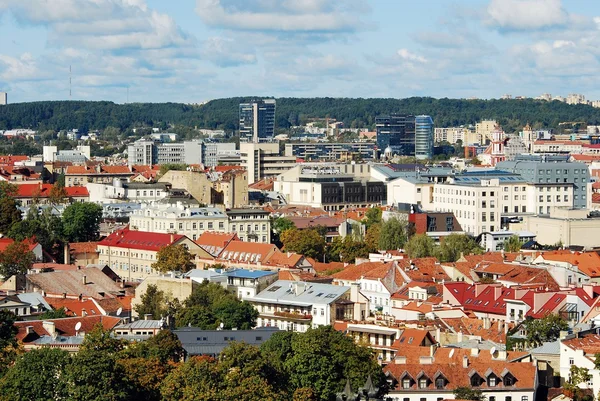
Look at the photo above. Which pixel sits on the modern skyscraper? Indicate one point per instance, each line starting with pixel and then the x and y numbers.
pixel 423 137
pixel 396 131
pixel 257 120
pixel 3 98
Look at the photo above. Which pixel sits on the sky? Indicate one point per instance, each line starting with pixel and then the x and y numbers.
pixel 195 50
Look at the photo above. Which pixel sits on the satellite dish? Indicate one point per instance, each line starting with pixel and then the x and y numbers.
pixel 493 351
pixel 78 326
pixel 451 353
pixel 119 311
pixel 221 326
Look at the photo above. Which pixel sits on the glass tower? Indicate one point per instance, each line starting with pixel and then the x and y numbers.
pixel 423 137
pixel 398 132
pixel 257 120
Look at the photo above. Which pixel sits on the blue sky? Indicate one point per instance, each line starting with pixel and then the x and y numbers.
pixel 197 50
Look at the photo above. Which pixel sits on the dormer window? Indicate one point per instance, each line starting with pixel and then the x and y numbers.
pixel 406 383
pixel 423 383
pixel 440 383
pixel 492 381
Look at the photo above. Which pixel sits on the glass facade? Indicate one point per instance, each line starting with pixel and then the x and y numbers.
pixel 398 132
pixel 423 137
pixel 257 120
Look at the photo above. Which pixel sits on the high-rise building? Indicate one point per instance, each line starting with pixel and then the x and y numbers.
pixel 397 132
pixel 3 98
pixel 257 120
pixel 423 137
pixel 262 160
pixel 151 151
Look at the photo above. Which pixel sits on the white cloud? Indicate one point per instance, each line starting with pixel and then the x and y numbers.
pixel 405 54
pixel 226 52
pixel 23 68
pixel 285 16
pixel 526 14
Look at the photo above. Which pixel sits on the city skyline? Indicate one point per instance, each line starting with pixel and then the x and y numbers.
pixel 193 51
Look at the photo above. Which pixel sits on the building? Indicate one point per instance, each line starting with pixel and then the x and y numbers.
pixel 331 186
pixel 484 129
pixel 251 225
pixel 494 241
pixel 298 306
pixel 3 98
pixel 101 174
pixel 131 253
pixel 435 224
pixel 262 160
pixel 196 341
pixel 149 151
pixel 213 151
pixel 139 329
pixel 29 194
pixel 198 185
pixel 396 132
pixel 423 137
pixel 331 151
pixel 257 120
pixel 552 176
pixel 451 135
pixel 178 218
pixel 178 289
pixel 131 191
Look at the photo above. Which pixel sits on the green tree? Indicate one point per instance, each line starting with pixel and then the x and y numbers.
pixel 392 235
pixel 577 375
pixel 174 258
pixel 323 359
pixel 373 216
pixel 81 222
pixel 372 237
pixel 58 194
pixel 37 375
pixel 16 259
pixel 513 244
pixel 9 212
pixel 45 227
pixel 8 340
pixel 152 302
pixel 54 314
pixel 282 224
pixel 476 161
pixel 420 246
pixel 454 245
pixel 144 376
pixel 164 168
pixel 347 250
pixel 309 242
pixel 545 329
pixel 468 393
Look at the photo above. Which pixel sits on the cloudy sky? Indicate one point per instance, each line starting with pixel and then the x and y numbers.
pixel 196 50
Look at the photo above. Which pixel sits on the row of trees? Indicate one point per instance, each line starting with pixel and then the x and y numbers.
pixel 380 235
pixel 223 113
pixel 288 367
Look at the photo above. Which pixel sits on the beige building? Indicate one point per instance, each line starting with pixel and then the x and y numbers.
pixel 485 128
pixel 130 253
pixel 174 288
pixel 231 190
pixel 100 174
pixel 196 184
pixel 565 225
pixel 262 160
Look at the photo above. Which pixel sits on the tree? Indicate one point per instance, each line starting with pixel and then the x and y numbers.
pixel 282 224
pixel 46 228
pixel 81 222
pixel 153 302
pixel 577 375
pixel 164 168
pixel 513 244
pixel 420 246
pixel 37 375
pixel 372 237
pixel 9 211
pixel 54 314
pixel 347 250
pixel 545 329
pixel 323 359
pixel 145 376
pixel 58 194
pixel 306 242
pixel 373 216
pixel 8 341
pixel 476 161
pixel 468 393
pixel 392 235
pixel 16 259
pixel 454 245
pixel 174 258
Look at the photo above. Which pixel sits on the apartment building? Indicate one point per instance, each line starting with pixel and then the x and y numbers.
pixel 160 150
pixel 262 160
pixel 101 174
pixel 252 225
pixel 331 151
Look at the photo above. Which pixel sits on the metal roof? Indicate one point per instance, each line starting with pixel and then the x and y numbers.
pixel 300 293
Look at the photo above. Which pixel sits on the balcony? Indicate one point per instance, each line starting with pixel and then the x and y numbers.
pixel 293 315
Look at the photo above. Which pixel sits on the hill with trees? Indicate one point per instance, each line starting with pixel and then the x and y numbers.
pixel 223 113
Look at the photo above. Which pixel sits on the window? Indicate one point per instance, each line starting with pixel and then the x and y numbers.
pixel 492 398
pixel 508 398
pixel 440 382
pixel 571 361
pixel 524 398
pixel 492 381
pixel 405 383
pixel 422 383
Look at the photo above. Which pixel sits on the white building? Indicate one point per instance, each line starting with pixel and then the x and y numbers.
pixel 298 306
pixel 580 351
pixel 494 241
pixel 3 98
pixel 262 160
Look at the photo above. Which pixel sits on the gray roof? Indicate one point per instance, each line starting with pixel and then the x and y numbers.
pixel 548 348
pixel 300 293
pixel 141 324
pixel 200 274
pixel 70 282
pixel 196 341
pixel 247 211
pixel 34 299
pixel 478 344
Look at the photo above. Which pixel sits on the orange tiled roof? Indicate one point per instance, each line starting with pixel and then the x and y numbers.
pixel 65 327
pixel 589 344
pixel 282 259
pixel 83 247
pixel 74 307
pixel 242 251
pixel 587 262
pixel 368 270
pixel 426 269
pixel 84 170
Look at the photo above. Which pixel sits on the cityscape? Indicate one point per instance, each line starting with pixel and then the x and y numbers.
pixel 414 224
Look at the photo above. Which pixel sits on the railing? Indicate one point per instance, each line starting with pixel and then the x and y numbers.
pixel 293 315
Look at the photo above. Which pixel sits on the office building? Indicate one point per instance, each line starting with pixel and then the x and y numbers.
pixel 331 186
pixel 553 176
pixel 160 151
pixel 262 160
pixel 396 132
pixel 3 98
pixel 423 137
pixel 257 120
pixel 331 151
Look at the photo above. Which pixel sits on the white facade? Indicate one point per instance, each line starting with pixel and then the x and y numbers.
pixel 3 98
pixel 570 356
pixel 262 160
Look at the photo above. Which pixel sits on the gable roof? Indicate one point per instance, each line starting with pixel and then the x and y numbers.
pixel 75 307
pixel 251 252
pixel 5 242
pixel 83 247
pixel 214 242
pixel 425 269
pixel 587 262
pixel 64 327
pixel 143 240
pixel 70 282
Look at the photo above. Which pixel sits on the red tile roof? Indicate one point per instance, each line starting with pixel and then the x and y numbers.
pixel 5 242
pixel 425 269
pixel 284 259
pixel 475 327
pixel 11 160
pixel 75 307
pixel 589 344
pixel 587 262
pixel 251 252
pixel 213 242
pixel 83 247
pixel 43 191
pixel 148 241
pixel 87 170
pixel 64 327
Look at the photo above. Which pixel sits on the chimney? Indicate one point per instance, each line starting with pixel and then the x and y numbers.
pixel 147 316
pixel 425 360
pixel 487 324
pixel 67 254
pixel 172 238
pixel 465 361
pixel 84 279
pixel 460 337
pixel 50 328
pixel 400 360
pixel 474 351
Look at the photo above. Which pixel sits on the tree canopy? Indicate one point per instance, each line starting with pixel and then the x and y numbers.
pixel 420 246
pixel 545 329
pixel 513 244
pixel 16 259
pixel 392 234
pixel 174 258
pixel 309 242
pixel 81 222
pixel 452 246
